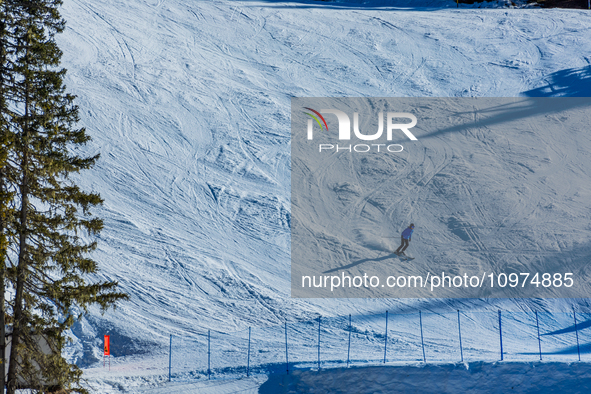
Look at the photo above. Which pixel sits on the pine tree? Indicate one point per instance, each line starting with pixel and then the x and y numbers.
pixel 50 266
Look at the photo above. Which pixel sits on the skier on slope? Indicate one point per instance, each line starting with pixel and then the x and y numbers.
pixel 405 240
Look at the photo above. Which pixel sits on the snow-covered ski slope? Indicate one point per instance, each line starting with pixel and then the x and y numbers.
pixel 188 103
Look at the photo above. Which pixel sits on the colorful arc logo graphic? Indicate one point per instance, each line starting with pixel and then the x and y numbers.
pixel 316 119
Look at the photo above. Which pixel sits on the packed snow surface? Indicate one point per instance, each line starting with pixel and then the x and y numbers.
pixel 188 104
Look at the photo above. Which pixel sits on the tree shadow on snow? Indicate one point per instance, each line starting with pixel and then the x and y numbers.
pixel 377 5
pixel 580 326
pixel 511 110
pixel 572 82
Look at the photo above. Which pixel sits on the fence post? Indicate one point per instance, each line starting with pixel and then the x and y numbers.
pixel 422 343
pixel 208 354
pixel 501 334
pixel 460 335
pixel 248 357
pixel 577 333
pixel 386 341
pixel 170 359
pixel 319 343
pixel 349 348
pixel 539 340
pixel 286 355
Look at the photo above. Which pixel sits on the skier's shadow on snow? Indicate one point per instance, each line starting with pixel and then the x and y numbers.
pixel 355 263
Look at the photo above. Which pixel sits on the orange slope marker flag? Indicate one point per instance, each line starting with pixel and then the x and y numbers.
pixel 107 350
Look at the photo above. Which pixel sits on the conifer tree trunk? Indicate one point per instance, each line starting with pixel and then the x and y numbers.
pixel 22 231
pixel 3 256
pixel 21 269
pixel 3 201
pixel 18 299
